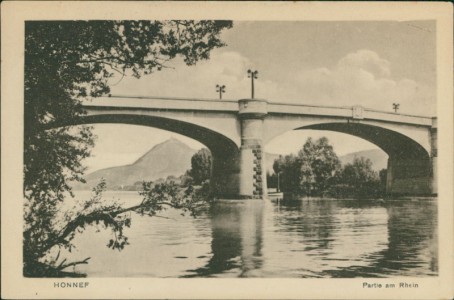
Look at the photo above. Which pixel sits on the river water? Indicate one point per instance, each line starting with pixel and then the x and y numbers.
pixel 271 238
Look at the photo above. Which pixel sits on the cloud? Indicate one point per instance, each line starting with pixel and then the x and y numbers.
pixel 363 78
pixel 366 60
pixel 358 78
pixel 225 68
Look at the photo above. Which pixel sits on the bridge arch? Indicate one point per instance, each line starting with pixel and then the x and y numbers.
pixel 225 152
pixel 395 144
pixel 409 169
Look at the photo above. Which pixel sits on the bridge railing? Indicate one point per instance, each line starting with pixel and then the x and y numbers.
pixel 164 103
pixel 171 98
pixel 348 112
pixel 398 118
pixel 225 105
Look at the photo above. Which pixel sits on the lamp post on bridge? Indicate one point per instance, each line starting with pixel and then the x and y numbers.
pixel 396 106
pixel 252 75
pixel 220 89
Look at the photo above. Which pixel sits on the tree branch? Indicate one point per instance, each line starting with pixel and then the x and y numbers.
pixel 93 217
pixel 61 267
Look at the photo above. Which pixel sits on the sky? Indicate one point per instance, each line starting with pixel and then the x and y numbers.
pixel 373 64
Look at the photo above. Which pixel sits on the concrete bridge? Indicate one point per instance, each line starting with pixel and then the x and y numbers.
pixel 236 132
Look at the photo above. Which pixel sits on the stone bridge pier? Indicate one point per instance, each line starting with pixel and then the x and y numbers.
pixel 434 155
pixel 241 173
pixel 410 176
pixel 413 173
pixel 252 176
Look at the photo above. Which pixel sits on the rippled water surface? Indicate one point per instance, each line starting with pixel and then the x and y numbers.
pixel 253 238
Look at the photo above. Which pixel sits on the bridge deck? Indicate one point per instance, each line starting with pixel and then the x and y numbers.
pixel 164 103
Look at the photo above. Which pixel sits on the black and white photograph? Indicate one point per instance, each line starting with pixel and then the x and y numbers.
pixel 223 147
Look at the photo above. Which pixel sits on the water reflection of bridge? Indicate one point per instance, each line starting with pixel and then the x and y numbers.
pixel 322 239
pixel 237 239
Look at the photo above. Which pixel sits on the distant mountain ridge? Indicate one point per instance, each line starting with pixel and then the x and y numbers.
pixel 173 158
pixel 378 158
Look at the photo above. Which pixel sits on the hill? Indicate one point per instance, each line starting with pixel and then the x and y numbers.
pixel 378 157
pixel 171 157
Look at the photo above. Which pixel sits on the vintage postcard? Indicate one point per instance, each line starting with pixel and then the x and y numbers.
pixel 225 150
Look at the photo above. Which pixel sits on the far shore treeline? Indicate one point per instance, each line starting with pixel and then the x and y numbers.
pixel 315 171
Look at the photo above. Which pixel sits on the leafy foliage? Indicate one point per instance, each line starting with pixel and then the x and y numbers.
pixel 311 171
pixel 67 62
pixel 316 171
pixel 201 166
pixel 288 167
pixel 157 197
pixel 359 172
pixel 319 165
pixel 358 180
